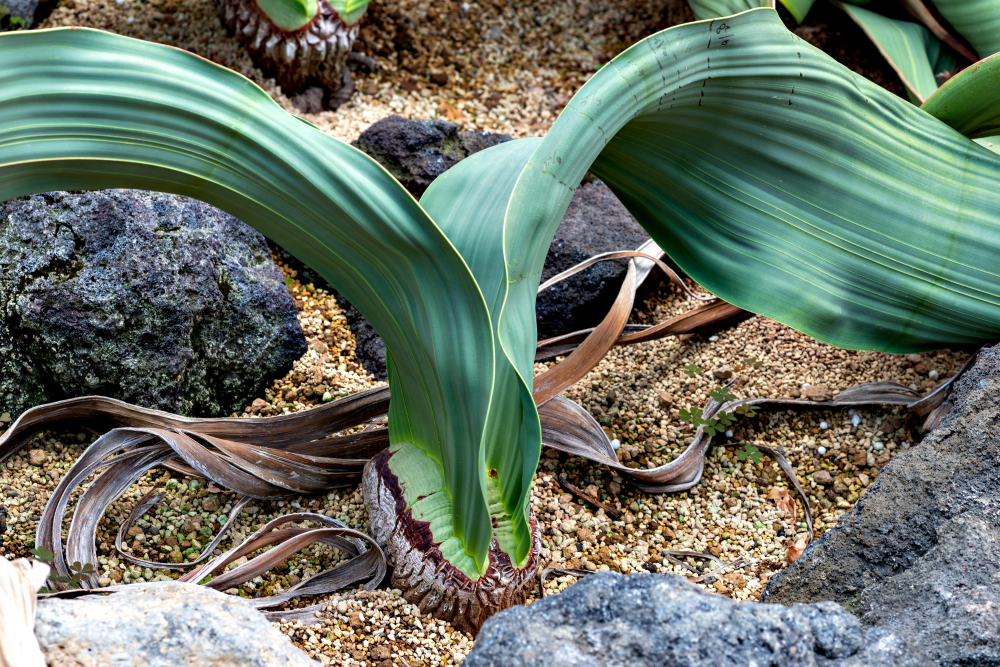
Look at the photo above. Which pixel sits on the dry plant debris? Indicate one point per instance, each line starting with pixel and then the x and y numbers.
pixel 739 509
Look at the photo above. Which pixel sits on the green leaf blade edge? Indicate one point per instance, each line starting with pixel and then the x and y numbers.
pixel 85 110
pixel 780 181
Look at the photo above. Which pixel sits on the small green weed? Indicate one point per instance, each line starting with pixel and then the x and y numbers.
pixel 724 418
pixel 79 571
pixel 11 19
pixel 751 452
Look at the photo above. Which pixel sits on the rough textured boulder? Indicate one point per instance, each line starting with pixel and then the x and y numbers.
pixel 418 151
pixel 919 555
pixel 154 299
pixel 161 625
pixel 21 11
pixel 595 222
pixel 649 620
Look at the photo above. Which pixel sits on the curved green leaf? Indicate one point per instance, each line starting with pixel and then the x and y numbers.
pixel 919 11
pixel 779 180
pixel 289 15
pixel 350 10
pixel 710 9
pixel 915 54
pixel 469 202
pixel 976 20
pixel 798 8
pixel 82 109
pixel 970 100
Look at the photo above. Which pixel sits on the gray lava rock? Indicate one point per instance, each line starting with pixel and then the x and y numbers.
pixel 595 222
pixel 416 152
pixel 24 10
pixel 641 620
pixel 157 300
pixel 161 625
pixel 919 555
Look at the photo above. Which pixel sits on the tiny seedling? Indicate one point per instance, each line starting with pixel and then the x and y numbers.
pixel 724 418
pixel 691 370
pixel 13 20
pixel 79 571
pixel 751 452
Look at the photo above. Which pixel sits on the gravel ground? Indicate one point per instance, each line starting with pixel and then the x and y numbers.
pixel 486 78
pixel 636 392
pixel 510 67
pixel 378 628
pixel 730 514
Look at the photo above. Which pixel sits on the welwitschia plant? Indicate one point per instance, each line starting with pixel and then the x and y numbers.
pixel 775 177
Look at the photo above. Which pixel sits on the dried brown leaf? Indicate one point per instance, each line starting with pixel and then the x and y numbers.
pixel 592 350
pixel 783 500
pixel 796 549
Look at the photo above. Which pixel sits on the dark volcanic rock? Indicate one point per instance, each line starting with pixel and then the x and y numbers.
pixel 595 222
pixel 154 299
pixel 919 554
pixel 369 349
pixel 416 152
pixel 648 620
pixel 21 11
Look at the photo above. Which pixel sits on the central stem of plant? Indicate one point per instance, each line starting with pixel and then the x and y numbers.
pixel 422 571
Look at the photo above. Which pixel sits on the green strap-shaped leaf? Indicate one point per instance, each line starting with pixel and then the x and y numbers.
pixel 710 9
pixel 976 20
pixel 798 8
pixel 289 15
pixel 970 100
pixel 915 54
pixel 83 109
pixel 782 182
pixel 350 10
pixel 469 202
